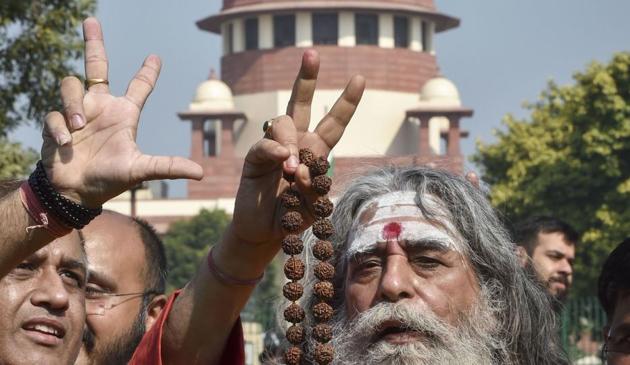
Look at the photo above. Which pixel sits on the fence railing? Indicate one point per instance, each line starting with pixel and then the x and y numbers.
pixel 582 320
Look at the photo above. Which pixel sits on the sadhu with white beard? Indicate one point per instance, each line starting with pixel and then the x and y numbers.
pixel 426 274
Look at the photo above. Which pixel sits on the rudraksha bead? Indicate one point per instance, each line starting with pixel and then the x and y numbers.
pixel 293 355
pixel 324 290
pixel 307 157
pixel 319 167
pixel 323 228
pixel 290 199
pixel 292 291
pixel 324 353
pixel 292 244
pixel 294 268
pixel 323 250
pixel 294 313
pixel 295 334
pixel 321 184
pixel 322 312
pixel 323 207
pixel 322 332
pixel 324 271
pixel 292 221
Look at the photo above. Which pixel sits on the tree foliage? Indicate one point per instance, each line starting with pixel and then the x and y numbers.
pixel 571 159
pixel 39 45
pixel 187 243
pixel 15 162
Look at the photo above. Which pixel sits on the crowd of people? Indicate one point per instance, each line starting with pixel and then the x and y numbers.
pixel 453 286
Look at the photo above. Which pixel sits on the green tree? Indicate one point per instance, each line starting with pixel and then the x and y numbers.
pixel 14 160
pixel 187 243
pixel 570 158
pixel 39 45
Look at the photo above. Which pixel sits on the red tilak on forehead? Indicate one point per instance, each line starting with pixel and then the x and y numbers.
pixel 392 230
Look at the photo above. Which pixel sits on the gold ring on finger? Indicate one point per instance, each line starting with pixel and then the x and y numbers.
pixel 91 82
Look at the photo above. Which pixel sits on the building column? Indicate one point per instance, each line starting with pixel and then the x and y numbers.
pixel 303 29
pixel 429 38
pixel 238 34
pixel 386 31
pixel 415 43
pixel 196 146
pixel 454 134
pixel 347 38
pixel 227 138
pixel 265 31
pixel 424 148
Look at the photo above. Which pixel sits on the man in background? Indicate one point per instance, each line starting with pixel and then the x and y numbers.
pixel 548 244
pixel 125 290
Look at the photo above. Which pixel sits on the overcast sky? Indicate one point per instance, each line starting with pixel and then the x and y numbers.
pixel 503 54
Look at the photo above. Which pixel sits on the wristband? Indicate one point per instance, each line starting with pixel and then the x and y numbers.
pixel 65 211
pixel 39 215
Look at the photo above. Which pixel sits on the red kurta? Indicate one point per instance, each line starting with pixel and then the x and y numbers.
pixel 149 351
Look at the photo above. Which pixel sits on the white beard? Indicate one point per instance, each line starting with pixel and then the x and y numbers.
pixel 471 342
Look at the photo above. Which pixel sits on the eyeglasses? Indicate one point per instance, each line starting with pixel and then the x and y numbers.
pixel 98 302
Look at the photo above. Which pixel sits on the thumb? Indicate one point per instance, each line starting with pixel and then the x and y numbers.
pixel 165 167
pixel 284 132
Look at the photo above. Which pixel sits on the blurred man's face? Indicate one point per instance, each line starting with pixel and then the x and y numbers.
pixel 618 334
pixel 42 305
pixel 408 284
pixel 553 259
pixel 115 323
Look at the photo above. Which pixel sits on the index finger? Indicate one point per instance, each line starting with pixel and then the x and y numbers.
pixel 331 128
pixel 95 55
pixel 299 106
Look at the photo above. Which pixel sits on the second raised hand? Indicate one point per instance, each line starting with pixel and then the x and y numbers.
pixel 90 152
pixel 261 182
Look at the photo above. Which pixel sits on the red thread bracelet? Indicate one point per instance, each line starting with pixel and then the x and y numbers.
pixel 228 279
pixel 39 214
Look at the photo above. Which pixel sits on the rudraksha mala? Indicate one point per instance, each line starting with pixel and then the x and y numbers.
pixel 294 267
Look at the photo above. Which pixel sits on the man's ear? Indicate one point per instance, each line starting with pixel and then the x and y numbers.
pixel 154 309
pixel 523 257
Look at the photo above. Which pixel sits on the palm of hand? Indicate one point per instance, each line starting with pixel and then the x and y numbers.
pixel 102 154
pixel 261 186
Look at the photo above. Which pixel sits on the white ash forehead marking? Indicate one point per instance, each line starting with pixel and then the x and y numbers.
pixel 365 236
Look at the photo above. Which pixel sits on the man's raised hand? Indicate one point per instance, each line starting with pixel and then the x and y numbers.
pixel 261 182
pixel 90 152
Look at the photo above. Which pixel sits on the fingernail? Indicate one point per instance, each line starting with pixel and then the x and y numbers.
pixel 293 162
pixel 77 121
pixel 62 139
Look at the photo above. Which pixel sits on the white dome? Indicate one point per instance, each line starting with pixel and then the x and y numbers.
pixel 212 95
pixel 441 91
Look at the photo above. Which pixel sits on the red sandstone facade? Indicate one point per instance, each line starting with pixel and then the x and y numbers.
pixel 268 70
pixel 394 69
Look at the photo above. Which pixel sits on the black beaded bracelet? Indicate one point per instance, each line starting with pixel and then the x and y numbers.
pixel 66 211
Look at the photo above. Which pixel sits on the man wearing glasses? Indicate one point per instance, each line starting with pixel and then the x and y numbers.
pixel 614 295
pixel 125 290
